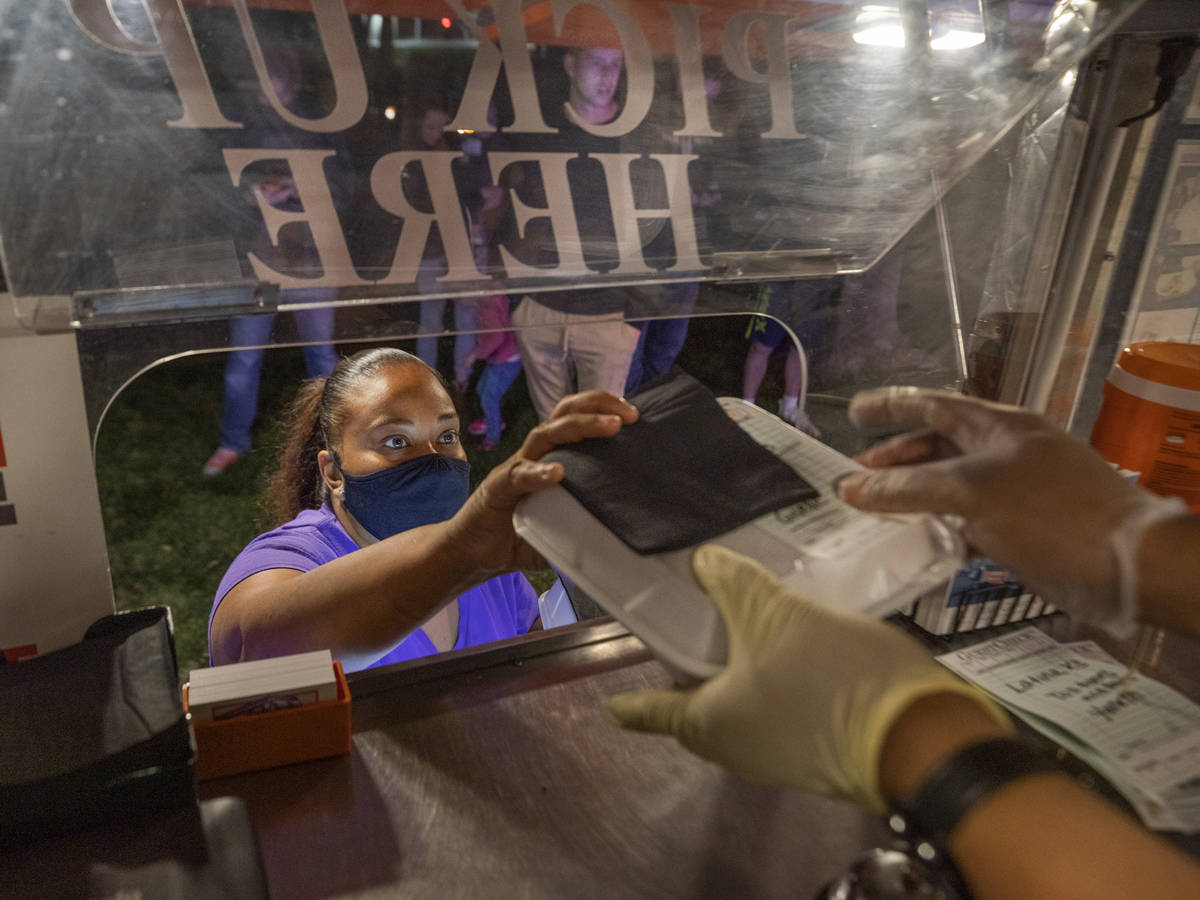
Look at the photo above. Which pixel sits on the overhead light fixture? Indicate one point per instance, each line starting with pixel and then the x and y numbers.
pixel 956 40
pixel 893 36
pixel 880 36
pixel 880 26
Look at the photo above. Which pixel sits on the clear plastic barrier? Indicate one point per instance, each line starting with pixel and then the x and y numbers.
pixel 173 173
pixel 377 150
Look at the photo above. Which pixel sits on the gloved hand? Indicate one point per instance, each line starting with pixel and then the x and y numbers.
pixel 808 695
pixel 1034 498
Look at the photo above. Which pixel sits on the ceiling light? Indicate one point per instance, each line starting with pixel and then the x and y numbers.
pixel 957 40
pixel 880 36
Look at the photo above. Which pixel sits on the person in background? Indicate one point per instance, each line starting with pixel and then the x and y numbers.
pixel 578 339
pixel 497 346
pixel 432 136
pixel 294 252
pixel 868 342
pixel 379 552
pixel 489 203
pixel 800 304
pixel 847 706
pixel 661 340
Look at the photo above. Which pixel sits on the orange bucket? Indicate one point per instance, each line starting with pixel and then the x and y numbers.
pixel 1149 422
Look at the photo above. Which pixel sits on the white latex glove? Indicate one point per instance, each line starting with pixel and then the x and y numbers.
pixel 808 695
pixel 1034 498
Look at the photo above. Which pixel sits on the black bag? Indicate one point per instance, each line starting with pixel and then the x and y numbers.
pixel 682 474
pixel 95 731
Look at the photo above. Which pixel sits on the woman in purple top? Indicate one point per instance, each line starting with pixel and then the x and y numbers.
pixel 382 555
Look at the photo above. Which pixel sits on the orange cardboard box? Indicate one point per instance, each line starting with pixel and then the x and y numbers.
pixel 276 738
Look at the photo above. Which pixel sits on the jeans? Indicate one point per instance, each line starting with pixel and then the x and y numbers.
pixel 662 339
pixel 244 366
pixel 494 383
pixel 433 321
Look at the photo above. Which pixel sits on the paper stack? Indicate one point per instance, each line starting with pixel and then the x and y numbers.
pixel 242 689
pixel 1138 733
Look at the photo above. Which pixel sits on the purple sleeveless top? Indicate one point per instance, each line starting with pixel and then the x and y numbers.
pixel 503 607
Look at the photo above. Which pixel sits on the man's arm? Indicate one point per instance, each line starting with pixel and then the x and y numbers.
pixel 848 706
pixel 1040 836
pixel 1036 500
pixel 1169 575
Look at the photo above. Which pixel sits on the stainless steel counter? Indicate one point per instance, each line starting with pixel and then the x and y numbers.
pixel 488 775
pixel 496 773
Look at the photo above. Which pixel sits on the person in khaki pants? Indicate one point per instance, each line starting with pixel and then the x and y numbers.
pixel 575 340
pixel 565 352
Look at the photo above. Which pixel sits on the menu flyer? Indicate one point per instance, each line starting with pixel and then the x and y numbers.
pixel 1137 732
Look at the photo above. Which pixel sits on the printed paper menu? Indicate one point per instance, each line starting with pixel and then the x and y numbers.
pixel 1137 732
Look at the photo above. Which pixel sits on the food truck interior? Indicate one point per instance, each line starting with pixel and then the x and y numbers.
pixel 204 203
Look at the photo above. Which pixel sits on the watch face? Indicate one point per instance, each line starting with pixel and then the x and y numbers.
pixel 889 873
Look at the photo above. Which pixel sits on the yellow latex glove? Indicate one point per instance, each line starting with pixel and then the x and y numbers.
pixel 808 695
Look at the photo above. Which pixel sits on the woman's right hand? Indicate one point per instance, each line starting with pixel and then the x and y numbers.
pixel 483 527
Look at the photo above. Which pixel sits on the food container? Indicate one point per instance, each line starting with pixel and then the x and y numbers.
pixel 1149 423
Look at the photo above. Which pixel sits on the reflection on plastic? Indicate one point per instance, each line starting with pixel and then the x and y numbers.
pixel 114 143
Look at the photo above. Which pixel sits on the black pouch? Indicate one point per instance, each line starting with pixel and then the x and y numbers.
pixel 95 731
pixel 683 473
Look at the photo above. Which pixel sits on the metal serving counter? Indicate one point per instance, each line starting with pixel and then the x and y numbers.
pixel 507 779
pixel 495 773
pixel 492 773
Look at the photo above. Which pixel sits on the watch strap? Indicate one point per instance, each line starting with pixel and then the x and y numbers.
pixel 968 776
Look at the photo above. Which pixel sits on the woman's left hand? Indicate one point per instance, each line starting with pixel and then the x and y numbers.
pixel 484 524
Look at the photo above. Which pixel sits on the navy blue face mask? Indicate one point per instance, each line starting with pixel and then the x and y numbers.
pixel 421 491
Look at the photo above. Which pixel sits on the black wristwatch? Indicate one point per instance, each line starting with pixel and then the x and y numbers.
pixel 928 818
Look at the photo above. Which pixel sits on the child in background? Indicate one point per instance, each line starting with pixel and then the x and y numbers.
pixel 497 346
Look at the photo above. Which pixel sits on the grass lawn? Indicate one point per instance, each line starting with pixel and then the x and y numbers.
pixel 172 532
